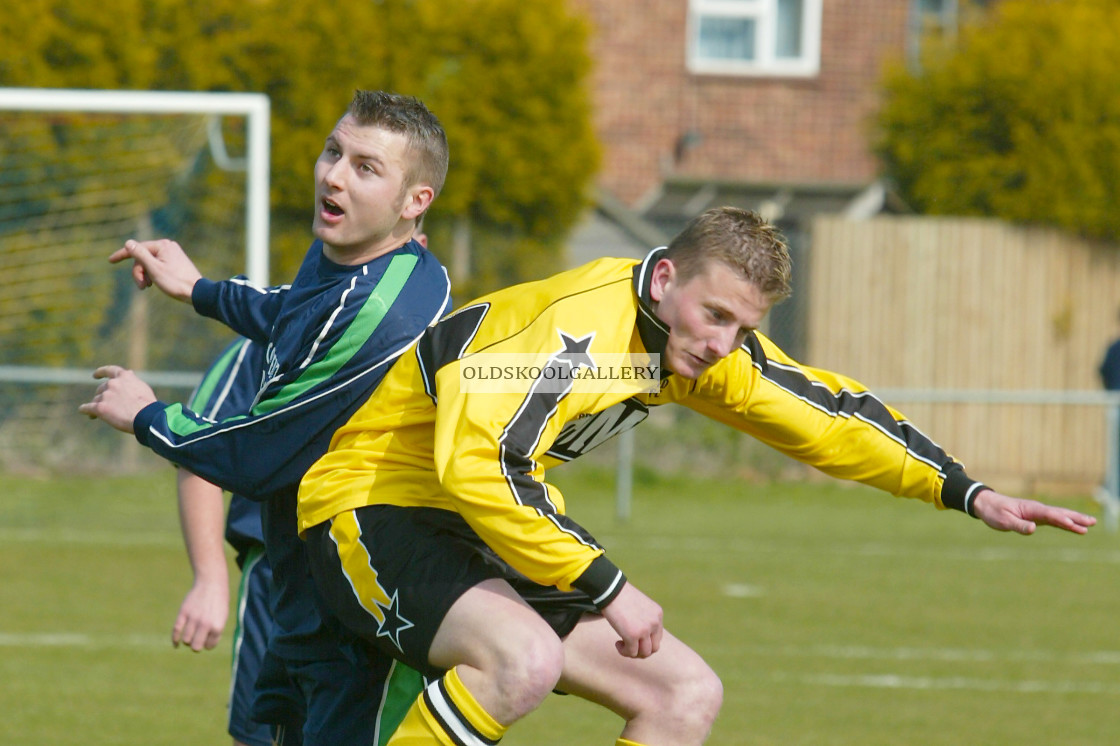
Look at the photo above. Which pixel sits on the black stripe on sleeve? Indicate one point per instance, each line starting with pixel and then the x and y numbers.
pixel 863 406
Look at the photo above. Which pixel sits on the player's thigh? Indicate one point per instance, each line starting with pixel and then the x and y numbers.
pixel 596 671
pixel 391 579
pixel 490 626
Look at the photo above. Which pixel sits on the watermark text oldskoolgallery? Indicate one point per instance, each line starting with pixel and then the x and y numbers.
pixel 562 372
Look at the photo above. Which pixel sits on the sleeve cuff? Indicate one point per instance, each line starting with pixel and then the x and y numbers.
pixel 142 422
pixel 959 490
pixel 204 297
pixel 602 581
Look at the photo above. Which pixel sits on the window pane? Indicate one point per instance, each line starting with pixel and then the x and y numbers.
pixel 789 29
pixel 727 38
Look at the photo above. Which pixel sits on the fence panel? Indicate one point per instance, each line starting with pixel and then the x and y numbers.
pixel 908 303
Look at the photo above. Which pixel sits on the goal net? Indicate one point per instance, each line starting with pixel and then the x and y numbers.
pixel 83 172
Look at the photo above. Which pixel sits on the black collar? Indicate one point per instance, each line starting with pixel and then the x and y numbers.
pixel 652 330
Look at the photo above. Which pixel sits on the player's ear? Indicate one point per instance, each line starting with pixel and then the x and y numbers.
pixel 661 278
pixel 418 198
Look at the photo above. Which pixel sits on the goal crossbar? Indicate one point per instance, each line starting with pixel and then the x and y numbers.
pixel 254 107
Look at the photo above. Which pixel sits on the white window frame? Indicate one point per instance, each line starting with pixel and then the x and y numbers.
pixel 764 13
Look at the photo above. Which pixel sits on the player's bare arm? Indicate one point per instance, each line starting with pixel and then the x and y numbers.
pixel 638 621
pixel 119 398
pixel 1005 513
pixel 202 615
pixel 162 263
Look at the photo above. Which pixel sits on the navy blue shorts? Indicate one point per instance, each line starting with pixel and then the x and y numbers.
pixel 391 574
pixel 250 640
pixel 279 702
pixel 356 697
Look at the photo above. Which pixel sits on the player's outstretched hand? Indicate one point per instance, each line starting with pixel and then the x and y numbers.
pixel 119 398
pixel 638 621
pixel 162 263
pixel 1005 513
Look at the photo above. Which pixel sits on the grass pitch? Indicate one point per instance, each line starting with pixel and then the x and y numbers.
pixel 834 615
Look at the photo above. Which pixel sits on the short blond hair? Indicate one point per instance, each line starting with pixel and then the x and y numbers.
pixel 742 240
pixel 407 116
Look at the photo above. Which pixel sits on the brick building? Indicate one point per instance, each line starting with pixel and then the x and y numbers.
pixel 766 104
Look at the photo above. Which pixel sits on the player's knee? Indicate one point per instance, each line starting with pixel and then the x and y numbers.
pixel 691 701
pixel 703 696
pixel 531 670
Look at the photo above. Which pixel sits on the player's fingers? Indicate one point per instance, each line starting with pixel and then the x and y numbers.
pixel 177 630
pixel 1074 522
pixel 628 647
pixel 132 249
pixel 138 250
pixel 120 254
pixel 1066 516
pixel 1082 523
pixel 108 371
pixel 193 636
pixel 140 277
pixel 212 638
pixel 1007 520
pixel 141 254
pixel 645 647
pixel 1063 518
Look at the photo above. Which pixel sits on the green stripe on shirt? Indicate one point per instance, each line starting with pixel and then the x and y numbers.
pixel 360 329
pixel 182 425
pixel 206 388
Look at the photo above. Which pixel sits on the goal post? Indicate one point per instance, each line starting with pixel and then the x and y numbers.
pixel 254 107
pixel 85 170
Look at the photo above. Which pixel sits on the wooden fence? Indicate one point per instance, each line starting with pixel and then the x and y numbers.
pixel 958 303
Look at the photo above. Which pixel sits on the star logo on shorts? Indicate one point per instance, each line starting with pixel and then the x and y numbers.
pixel 392 623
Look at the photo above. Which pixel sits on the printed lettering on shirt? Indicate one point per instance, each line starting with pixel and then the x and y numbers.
pixel 588 432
